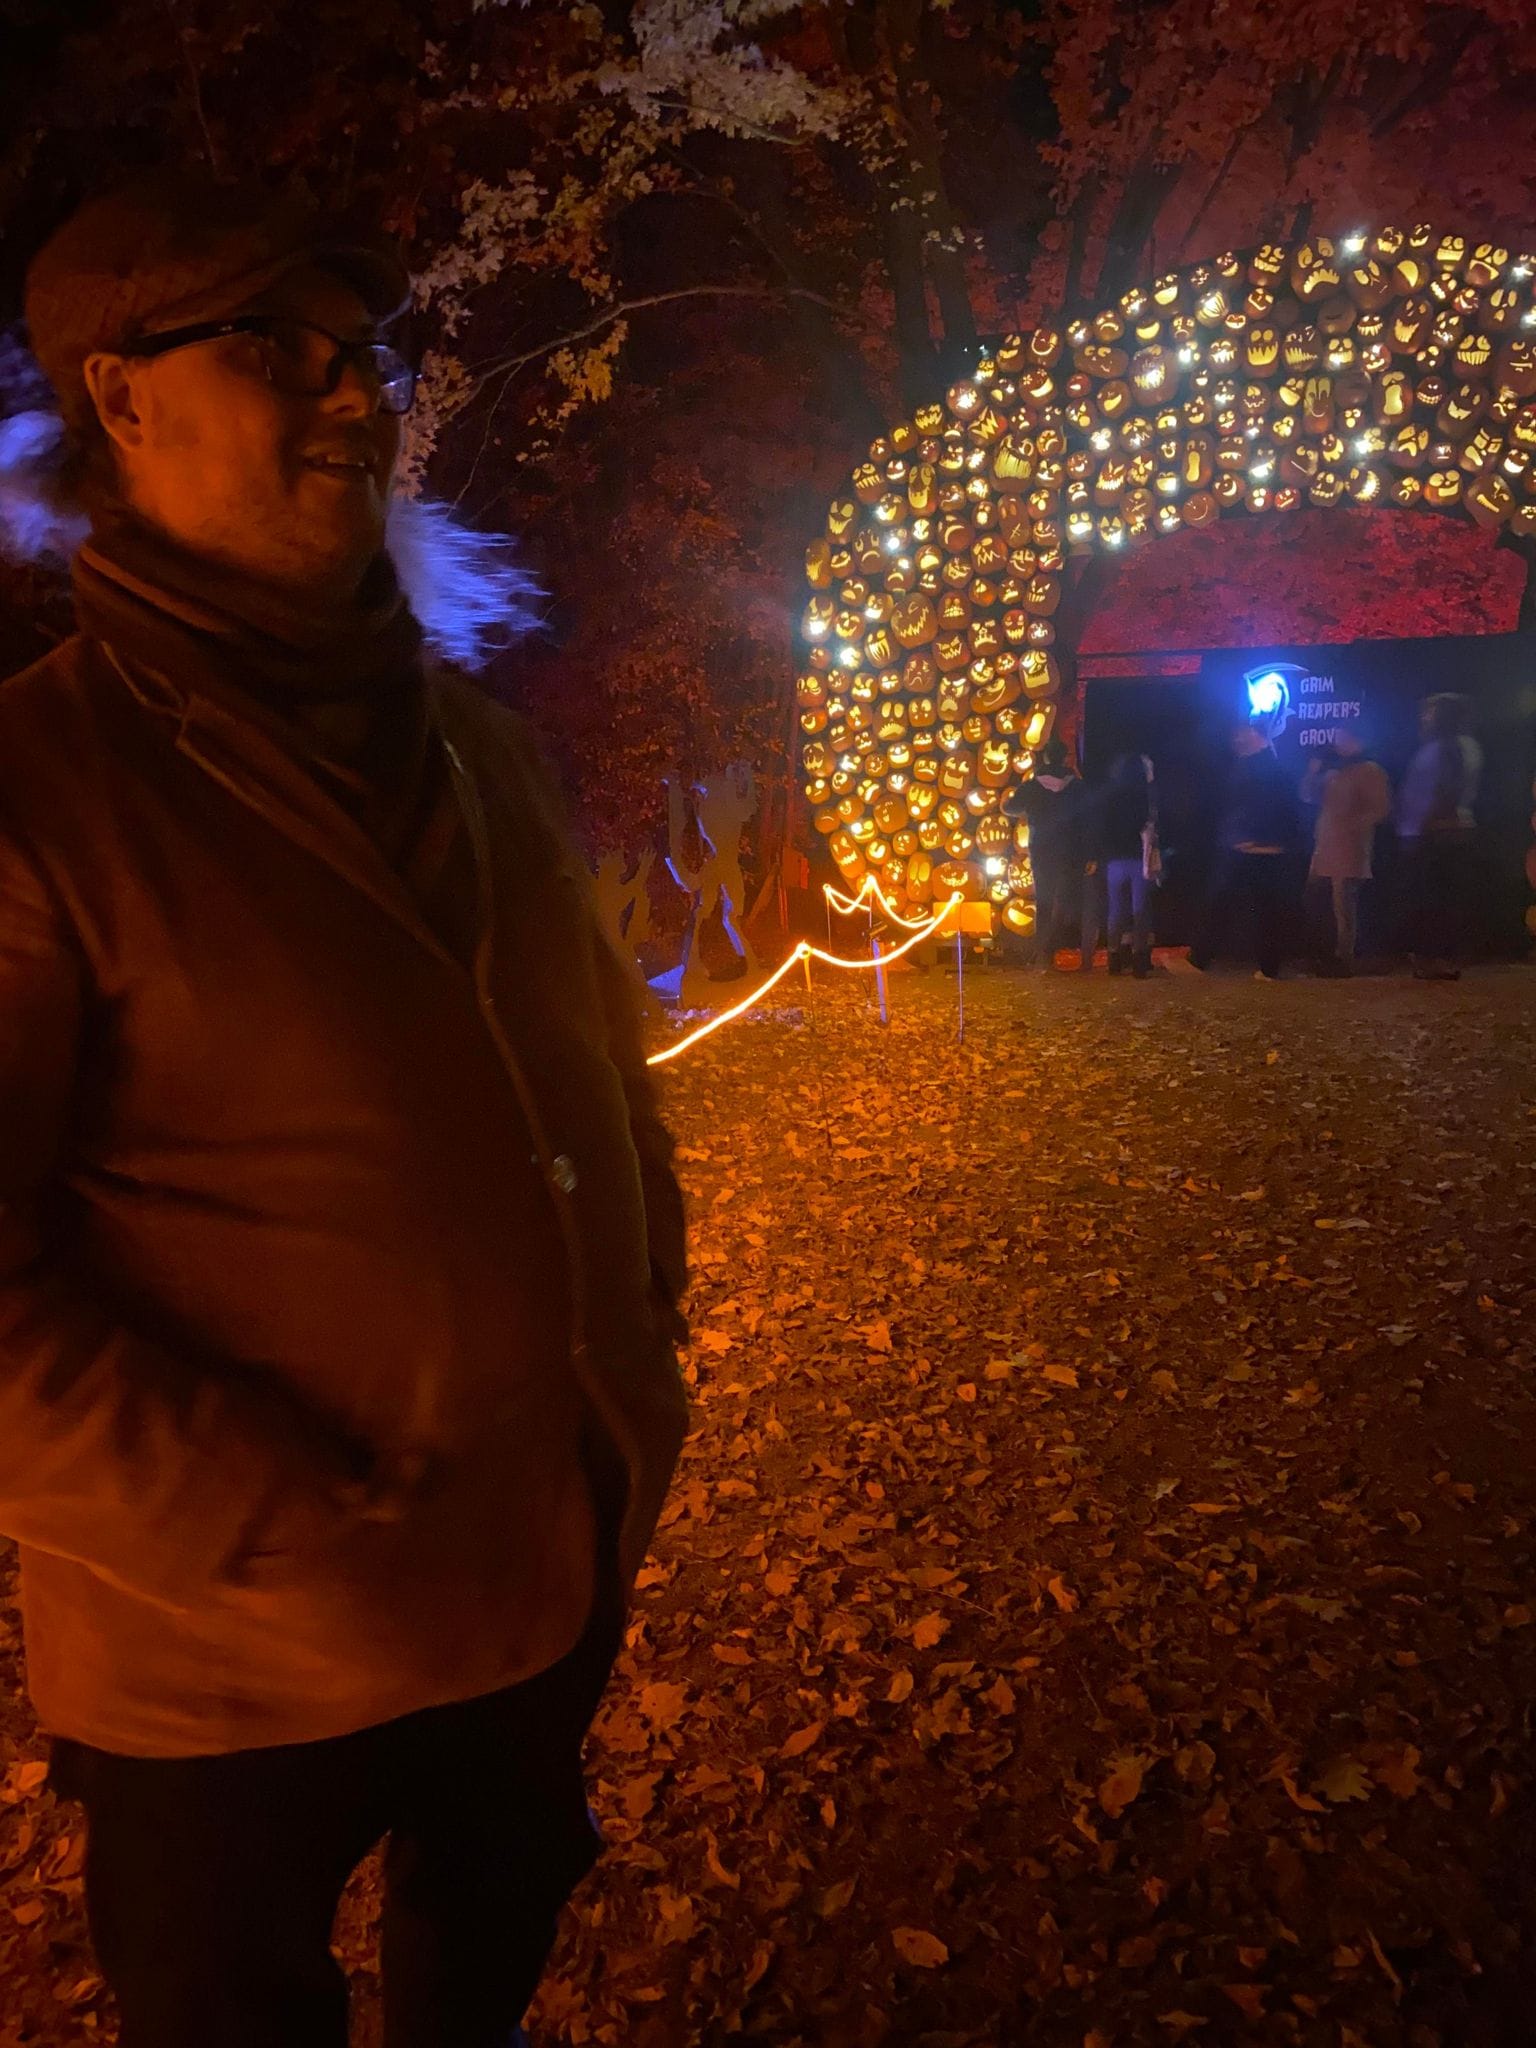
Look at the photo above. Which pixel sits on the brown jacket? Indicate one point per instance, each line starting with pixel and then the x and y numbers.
pixel 289 1200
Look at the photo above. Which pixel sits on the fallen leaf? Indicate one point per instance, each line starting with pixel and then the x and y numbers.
pixel 1345 1779
pixel 922 1951
pixel 930 1630
pixel 1123 1785
pixel 803 1739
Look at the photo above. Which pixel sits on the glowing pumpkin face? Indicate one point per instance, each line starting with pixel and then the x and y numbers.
pixel 914 621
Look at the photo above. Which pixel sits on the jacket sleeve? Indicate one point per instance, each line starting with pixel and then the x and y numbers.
pixel 153 1469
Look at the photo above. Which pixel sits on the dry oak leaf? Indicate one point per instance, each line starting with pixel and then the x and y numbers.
pixel 1345 1779
pixel 730 1653
pixel 716 1341
pixel 930 1630
pixel 1001 1696
pixel 1062 1594
pixel 836 1897
pixel 877 1335
pixel 1399 1772
pixel 922 1951
pixel 900 1688
pixel 1059 1375
pixel 1123 1785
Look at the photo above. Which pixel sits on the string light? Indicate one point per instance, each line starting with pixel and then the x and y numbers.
pixel 869 890
pixel 803 951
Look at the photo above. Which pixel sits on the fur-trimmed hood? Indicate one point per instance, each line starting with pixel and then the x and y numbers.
pixel 465 587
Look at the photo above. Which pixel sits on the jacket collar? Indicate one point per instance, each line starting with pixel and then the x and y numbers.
pixel 241 748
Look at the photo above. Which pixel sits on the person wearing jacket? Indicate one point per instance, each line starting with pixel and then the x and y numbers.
pixel 1437 830
pixel 1117 835
pixel 1052 802
pixel 340 1248
pixel 1352 796
pixel 1255 842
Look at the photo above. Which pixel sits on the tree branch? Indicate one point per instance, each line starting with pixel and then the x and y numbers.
pixel 1430 84
pixel 506 367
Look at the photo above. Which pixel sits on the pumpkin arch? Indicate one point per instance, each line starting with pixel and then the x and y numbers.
pixel 1392 368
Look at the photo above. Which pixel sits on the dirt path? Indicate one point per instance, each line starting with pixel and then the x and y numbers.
pixel 1097 1606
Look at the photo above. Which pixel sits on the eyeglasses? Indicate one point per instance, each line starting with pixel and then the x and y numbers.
pixel 298 358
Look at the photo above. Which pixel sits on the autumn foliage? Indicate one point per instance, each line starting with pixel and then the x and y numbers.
pixel 681 262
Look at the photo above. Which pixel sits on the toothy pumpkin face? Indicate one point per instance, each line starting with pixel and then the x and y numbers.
pixel 1263 348
pixel 1450 250
pixel 1153 372
pixel 1411 324
pixel 914 621
pixel 1303 348
pixel 1474 352
pixel 1267 263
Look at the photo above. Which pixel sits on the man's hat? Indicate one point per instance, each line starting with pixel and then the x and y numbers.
pixel 173 247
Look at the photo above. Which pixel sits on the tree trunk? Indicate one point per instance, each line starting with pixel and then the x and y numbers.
pixel 914 338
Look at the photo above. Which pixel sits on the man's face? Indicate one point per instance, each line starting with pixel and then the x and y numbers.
pixel 291 490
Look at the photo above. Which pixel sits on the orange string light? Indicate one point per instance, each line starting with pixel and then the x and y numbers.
pixel 805 951
pixel 868 888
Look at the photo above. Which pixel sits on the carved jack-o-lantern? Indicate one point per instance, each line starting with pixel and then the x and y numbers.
pixel 914 621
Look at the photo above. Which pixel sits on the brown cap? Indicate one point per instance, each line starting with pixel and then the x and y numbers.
pixel 173 247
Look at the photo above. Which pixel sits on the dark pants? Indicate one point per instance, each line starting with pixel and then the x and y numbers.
pixel 1130 906
pixel 212 1882
pixel 1439 881
pixel 1259 881
pixel 1066 906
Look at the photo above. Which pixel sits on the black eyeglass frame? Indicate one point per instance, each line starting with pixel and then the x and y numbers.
pixel 390 370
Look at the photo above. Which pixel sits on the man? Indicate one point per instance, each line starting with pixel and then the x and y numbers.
pixel 1352 796
pixel 1051 801
pixel 1437 829
pixel 1256 839
pixel 340 1245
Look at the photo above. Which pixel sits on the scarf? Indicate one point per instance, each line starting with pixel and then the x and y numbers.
pixel 341 686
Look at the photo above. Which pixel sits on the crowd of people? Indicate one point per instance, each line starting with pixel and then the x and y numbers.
pixel 1289 857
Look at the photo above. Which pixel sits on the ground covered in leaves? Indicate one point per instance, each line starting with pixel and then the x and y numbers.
pixel 1097 1603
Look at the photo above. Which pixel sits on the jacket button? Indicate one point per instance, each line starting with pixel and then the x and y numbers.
pixel 563 1173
